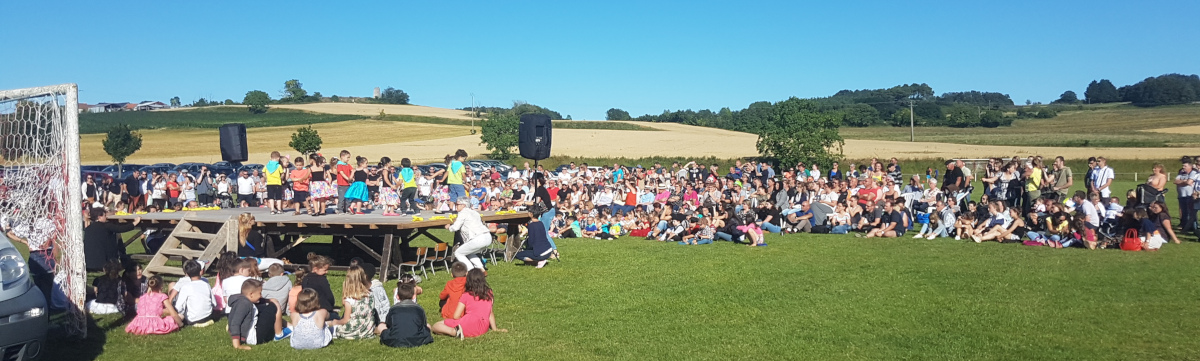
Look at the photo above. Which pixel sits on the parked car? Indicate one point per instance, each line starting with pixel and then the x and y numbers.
pixel 156 168
pixel 250 168
pixel 435 167
pixel 91 168
pixel 233 165
pixel 23 334
pixel 223 169
pixel 96 175
pixel 126 170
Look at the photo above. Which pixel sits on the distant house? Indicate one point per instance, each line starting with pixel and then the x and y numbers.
pixel 130 106
pixel 149 105
pixel 83 107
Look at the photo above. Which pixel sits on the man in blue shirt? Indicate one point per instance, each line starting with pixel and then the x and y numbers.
pixel 478 195
pixel 618 174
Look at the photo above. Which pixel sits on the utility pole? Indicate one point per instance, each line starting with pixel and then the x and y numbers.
pixel 912 129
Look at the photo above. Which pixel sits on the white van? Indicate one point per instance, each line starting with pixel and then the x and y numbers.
pixel 23 316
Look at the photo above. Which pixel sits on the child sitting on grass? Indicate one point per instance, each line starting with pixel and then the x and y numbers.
pixel 294 293
pixel 473 315
pixel 193 299
pixel 277 286
pixel 309 331
pixel 150 307
pixel 358 321
pixel 405 325
pixel 316 280
pixel 253 318
pixel 109 290
pixel 703 236
pixel 448 298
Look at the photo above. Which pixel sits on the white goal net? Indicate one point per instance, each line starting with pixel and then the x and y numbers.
pixel 40 198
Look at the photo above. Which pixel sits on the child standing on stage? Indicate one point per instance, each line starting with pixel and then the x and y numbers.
pixel 273 172
pixel 388 197
pixel 344 174
pixel 301 178
pixel 319 188
pixel 150 307
pixel 357 193
pixel 408 187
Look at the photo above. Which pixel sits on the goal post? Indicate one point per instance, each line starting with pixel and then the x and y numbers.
pixel 40 180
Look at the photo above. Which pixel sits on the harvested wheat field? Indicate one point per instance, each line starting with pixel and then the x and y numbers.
pixel 1190 129
pixel 373 109
pixel 202 145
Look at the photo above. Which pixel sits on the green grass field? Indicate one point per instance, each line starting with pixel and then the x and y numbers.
pixel 802 297
pixel 1095 126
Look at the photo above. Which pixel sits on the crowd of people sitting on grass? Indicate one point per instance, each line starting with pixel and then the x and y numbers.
pixel 1026 200
pixel 1016 201
pixel 261 307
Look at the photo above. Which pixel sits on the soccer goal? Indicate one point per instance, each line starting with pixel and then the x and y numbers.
pixel 39 182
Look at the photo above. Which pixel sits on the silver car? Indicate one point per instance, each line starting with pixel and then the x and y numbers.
pixel 23 316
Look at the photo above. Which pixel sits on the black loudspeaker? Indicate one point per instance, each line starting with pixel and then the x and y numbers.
pixel 535 136
pixel 233 143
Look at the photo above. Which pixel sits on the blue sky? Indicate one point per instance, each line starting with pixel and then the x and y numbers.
pixel 582 58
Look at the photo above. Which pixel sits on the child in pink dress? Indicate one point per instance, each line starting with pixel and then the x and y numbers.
pixel 473 317
pixel 150 306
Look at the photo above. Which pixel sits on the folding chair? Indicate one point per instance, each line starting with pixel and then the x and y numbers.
pixel 420 262
pixel 440 254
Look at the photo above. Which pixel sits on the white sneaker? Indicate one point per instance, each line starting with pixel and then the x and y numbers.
pixel 977 239
pixel 918 236
pixel 956 238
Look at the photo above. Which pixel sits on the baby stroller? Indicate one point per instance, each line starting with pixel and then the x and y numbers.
pixel 1109 234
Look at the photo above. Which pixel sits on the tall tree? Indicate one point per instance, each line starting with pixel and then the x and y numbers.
pixel 257 101
pixel 121 142
pixel 1102 91
pixel 393 96
pixel 796 130
pixel 617 114
pixel 293 91
pixel 306 140
pixel 499 133
pixel 175 103
pixel 1067 97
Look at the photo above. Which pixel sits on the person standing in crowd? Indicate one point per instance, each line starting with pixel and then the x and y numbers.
pixel 1102 177
pixel 245 190
pixel 205 187
pixel 1062 178
pixel 1033 184
pixel 1186 183
pixel 131 192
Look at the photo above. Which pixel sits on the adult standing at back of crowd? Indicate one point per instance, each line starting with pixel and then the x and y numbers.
pixel 1090 176
pixel 245 188
pixel 1033 183
pixel 1062 177
pixel 1185 184
pixel 966 172
pixel 455 173
pixel 1102 178
pixel 131 187
pixel 953 180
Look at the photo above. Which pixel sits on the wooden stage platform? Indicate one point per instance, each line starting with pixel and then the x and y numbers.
pixel 285 230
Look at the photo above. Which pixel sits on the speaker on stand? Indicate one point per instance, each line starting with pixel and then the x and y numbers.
pixel 534 136
pixel 233 143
